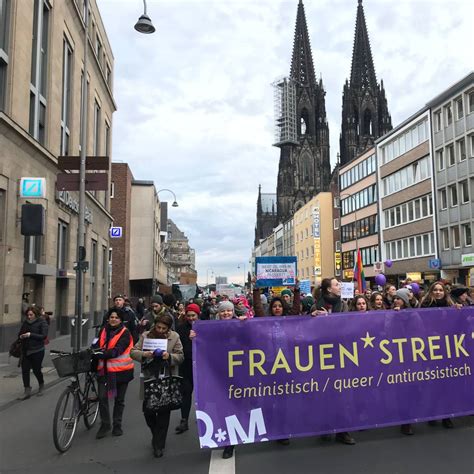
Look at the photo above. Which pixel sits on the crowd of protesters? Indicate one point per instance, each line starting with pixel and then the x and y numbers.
pixel 124 330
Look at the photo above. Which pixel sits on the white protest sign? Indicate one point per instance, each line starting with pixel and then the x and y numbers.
pixel 347 290
pixel 150 344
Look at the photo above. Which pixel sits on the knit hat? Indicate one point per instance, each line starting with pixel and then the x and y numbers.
pixel 193 307
pixel 403 295
pixel 223 305
pixel 157 299
pixel 458 291
pixel 307 302
pixel 287 292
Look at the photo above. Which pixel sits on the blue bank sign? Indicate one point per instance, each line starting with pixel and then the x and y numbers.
pixel 33 188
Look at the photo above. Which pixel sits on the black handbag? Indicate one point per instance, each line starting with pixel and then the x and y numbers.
pixel 15 349
pixel 163 393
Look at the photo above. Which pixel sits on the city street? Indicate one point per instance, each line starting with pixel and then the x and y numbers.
pixel 27 447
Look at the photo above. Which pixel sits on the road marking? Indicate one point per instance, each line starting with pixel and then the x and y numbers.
pixel 219 465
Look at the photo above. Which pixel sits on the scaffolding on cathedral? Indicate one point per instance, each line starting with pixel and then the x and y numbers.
pixel 284 93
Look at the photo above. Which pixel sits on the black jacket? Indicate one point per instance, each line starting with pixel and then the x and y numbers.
pixel 186 368
pixel 39 332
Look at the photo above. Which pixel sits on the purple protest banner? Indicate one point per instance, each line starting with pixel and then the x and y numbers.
pixel 282 377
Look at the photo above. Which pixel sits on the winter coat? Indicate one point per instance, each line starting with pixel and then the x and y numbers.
pixel 174 348
pixel 337 306
pixel 38 330
pixel 186 368
pixel 258 306
pixel 150 317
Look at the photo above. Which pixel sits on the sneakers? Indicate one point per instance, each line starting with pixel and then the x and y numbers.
pixel 117 431
pixel 182 427
pixel 26 394
pixel 228 452
pixel 406 430
pixel 102 433
pixel 345 438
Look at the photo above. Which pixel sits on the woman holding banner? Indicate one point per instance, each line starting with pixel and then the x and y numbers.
pixel 329 301
pixel 155 363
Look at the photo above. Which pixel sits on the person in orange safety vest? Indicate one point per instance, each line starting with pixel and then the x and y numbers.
pixel 114 371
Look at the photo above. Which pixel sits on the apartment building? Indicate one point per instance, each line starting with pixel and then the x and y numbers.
pixel 41 51
pixel 452 116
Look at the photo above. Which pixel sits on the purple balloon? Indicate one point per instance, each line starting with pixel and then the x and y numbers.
pixel 380 279
pixel 415 287
pixel 389 263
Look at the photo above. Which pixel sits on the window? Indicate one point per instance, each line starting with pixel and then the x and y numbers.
pixel 338 246
pixel 455 237
pixel 467 236
pixel 411 174
pixel 464 191
pixel 32 249
pixel 98 47
pixel 471 140
pixel 459 108
pixel 451 157
pixel 108 74
pixel 445 238
pixel 4 31
pixel 39 69
pixel 107 139
pixel 461 146
pixel 62 245
pixel 448 115
pixel 416 246
pixel 112 190
pixel 356 173
pixel 66 98
pixel 471 101
pixel 437 120
pixel 453 194
pixel 440 159
pixel 96 138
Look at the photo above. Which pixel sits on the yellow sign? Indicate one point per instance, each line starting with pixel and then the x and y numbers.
pixel 277 290
pixel 349 274
pixel 317 257
pixel 414 276
pixel 337 261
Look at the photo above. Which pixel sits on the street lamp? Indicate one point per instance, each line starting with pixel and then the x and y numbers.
pixel 238 266
pixel 81 266
pixel 144 24
pixel 175 203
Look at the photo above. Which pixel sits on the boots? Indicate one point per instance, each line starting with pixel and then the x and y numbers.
pixel 228 452
pixel 40 390
pixel 182 427
pixel 102 433
pixel 26 394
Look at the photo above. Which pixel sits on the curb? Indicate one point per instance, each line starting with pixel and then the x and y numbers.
pixel 47 386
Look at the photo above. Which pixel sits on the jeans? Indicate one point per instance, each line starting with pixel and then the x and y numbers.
pixel 32 361
pixel 119 404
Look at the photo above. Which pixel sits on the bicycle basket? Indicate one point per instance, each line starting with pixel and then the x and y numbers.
pixel 71 364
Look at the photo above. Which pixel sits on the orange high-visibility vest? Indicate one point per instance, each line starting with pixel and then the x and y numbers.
pixel 117 364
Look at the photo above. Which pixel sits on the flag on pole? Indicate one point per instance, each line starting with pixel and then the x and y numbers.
pixel 359 272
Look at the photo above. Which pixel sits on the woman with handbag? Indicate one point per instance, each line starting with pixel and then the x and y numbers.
pixel 114 370
pixel 33 333
pixel 157 364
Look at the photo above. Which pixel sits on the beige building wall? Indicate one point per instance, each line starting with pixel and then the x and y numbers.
pixel 25 153
pixel 315 255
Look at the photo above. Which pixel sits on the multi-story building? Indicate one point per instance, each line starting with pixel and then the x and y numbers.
pixel 148 268
pixel 313 228
pixel 41 51
pixel 288 238
pixel 405 200
pixel 358 208
pixel 178 255
pixel 452 117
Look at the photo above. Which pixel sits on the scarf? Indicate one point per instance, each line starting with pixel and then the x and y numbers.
pixel 333 303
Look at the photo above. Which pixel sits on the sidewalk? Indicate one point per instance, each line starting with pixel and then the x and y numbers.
pixel 11 385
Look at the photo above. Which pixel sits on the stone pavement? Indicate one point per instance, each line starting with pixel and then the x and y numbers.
pixel 11 385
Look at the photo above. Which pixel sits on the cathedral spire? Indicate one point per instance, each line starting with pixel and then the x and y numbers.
pixel 302 69
pixel 362 69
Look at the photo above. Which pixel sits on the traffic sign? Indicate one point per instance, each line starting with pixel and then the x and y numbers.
pixel 33 188
pixel 434 263
pixel 115 232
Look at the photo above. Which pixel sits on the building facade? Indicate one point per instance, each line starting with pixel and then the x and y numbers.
pixel 41 51
pixel 359 217
pixel 406 203
pixel 365 115
pixel 313 229
pixel 452 118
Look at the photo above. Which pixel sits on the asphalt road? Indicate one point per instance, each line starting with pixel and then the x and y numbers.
pixel 26 446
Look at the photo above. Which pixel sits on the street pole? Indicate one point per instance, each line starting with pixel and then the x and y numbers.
pixel 81 249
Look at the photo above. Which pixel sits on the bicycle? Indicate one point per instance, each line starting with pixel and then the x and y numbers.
pixel 77 399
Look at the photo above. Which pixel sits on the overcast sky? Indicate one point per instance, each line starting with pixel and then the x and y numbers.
pixel 195 104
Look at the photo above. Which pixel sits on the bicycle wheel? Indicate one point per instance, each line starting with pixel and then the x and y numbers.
pixel 91 401
pixel 65 419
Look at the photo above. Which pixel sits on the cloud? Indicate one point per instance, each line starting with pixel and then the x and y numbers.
pixel 195 106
